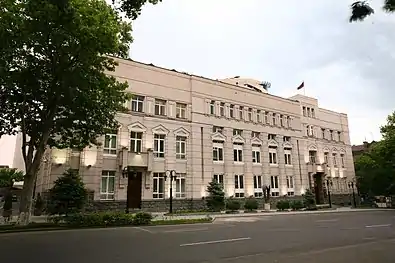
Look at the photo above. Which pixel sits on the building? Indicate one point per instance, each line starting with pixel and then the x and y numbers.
pixel 11 152
pixel 232 131
pixel 358 150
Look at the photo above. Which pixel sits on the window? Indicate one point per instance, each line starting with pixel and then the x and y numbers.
pixel 249 114
pixel 237 132
pixel 342 159
pixel 180 186
pixel 274 186
pixel 312 156
pixel 310 130
pixel 331 135
pixel 136 139
pixel 232 111
pixel 267 121
pixel 181 111
pixel 326 157
pixel 272 155
pixel 334 157
pixel 160 107
pixel 287 139
pixel 217 129
pixel 239 186
pixel 212 107
pixel 287 156
pixel 312 113
pixel 181 151
pixel 281 120
pixel 258 192
pixel 219 179
pixel 241 115
pixel 271 136
pixel 323 133
pixel 137 103
pixel 308 112
pixel 304 111
pixel 159 145
pixel 110 143
pixel 290 182
pixel 274 118
pixel 290 193
pixel 237 152
pixel 222 109
pixel 289 124
pixel 107 185
pixel 258 116
pixel 255 134
pixel 339 135
pixel 256 154
pixel 218 151
pixel 158 186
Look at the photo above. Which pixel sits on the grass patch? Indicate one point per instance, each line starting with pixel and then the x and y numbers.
pixel 181 221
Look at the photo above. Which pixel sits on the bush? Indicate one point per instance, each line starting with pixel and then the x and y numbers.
pixel 251 204
pixel 38 205
pixel 233 205
pixel 216 199
pixel 297 205
pixel 142 218
pixel 283 205
pixel 68 195
pixel 309 200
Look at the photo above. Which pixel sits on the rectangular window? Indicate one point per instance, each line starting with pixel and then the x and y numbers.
pixel 256 154
pixel 212 107
pixel 137 103
pixel 290 182
pixel 241 115
pixel 312 156
pixel 287 156
pixel 158 186
pixel 258 116
pixel 281 120
pixel 287 139
pixel 249 114
pixel 222 109
pixel 267 121
pixel 239 186
pixel 219 179
pixel 290 193
pixel 323 133
pixel 136 139
pixel 342 159
pixel 339 135
pixel 274 119
pixel 181 147
pixel 181 111
pixel 180 186
pixel 312 113
pixel 160 107
pixel 326 157
pixel 334 157
pixel 308 112
pixel 217 129
pixel 159 145
pixel 218 151
pixel 255 134
pixel 289 122
pixel 272 155
pixel 274 186
pixel 271 136
pixel 258 186
pixel 107 185
pixel 232 111
pixel 110 143
pixel 237 152
pixel 304 111
pixel 331 135
pixel 237 132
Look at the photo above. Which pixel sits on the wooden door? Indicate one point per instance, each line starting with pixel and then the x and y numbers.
pixel 134 190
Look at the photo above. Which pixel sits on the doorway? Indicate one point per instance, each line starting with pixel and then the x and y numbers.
pixel 318 188
pixel 134 190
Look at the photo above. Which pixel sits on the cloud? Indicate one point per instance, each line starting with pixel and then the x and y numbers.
pixel 348 67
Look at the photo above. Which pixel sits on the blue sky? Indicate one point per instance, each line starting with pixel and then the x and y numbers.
pixel 348 67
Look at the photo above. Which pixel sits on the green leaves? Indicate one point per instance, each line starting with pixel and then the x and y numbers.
pixel 132 8
pixel 8 176
pixel 361 9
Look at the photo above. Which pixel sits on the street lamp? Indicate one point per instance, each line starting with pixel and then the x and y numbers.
pixel 171 174
pixel 351 186
pixel 328 185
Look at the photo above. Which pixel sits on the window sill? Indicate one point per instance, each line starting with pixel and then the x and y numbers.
pixel 181 160
pixel 159 158
pixel 238 163
pixel 273 164
pixel 257 164
pixel 109 155
pixel 218 162
pixel 289 165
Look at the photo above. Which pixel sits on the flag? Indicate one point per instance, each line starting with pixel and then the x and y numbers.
pixel 301 86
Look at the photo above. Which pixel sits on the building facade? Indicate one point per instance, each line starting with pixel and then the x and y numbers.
pixel 231 131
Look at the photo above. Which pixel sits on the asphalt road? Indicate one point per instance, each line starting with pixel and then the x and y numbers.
pixel 323 238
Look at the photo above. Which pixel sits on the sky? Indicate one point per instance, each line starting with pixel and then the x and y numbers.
pixel 348 67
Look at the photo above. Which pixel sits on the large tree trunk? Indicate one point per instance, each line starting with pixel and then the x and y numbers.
pixel 25 205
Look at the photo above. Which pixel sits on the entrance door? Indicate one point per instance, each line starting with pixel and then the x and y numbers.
pixel 134 190
pixel 318 188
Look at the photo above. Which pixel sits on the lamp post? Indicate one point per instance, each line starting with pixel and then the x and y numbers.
pixel 171 174
pixel 351 186
pixel 328 185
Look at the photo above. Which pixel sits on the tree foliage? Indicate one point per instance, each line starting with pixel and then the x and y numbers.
pixel 53 82
pixel 8 176
pixel 362 9
pixel 216 198
pixel 375 169
pixel 132 8
pixel 68 195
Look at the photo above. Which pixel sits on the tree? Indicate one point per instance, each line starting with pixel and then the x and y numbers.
pixel 216 199
pixel 68 195
pixel 309 199
pixel 53 85
pixel 132 8
pixel 361 9
pixel 8 176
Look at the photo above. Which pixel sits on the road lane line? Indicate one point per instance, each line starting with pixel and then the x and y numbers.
pixel 374 226
pixel 327 220
pixel 185 230
pixel 145 230
pixel 215 241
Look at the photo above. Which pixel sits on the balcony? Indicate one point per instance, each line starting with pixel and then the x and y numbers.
pixel 133 159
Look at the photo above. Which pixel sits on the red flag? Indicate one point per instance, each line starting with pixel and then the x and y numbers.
pixel 301 86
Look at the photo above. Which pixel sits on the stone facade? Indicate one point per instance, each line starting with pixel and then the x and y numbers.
pixel 181 119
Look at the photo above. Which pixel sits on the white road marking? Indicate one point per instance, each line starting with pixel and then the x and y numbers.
pixel 327 220
pixel 246 219
pixel 374 226
pixel 215 241
pixel 185 230
pixel 145 230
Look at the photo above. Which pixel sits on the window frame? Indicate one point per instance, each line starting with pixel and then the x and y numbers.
pixel 160 107
pixel 238 153
pixel 138 101
pixel 219 148
pixel 179 194
pixel 256 155
pixel 157 178
pixel 110 149
pixel 137 142
pixel 108 194
pixel 158 152
pixel 181 110
pixel 273 160
pixel 180 141
pixel 258 191
pixel 288 156
pixel 239 186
